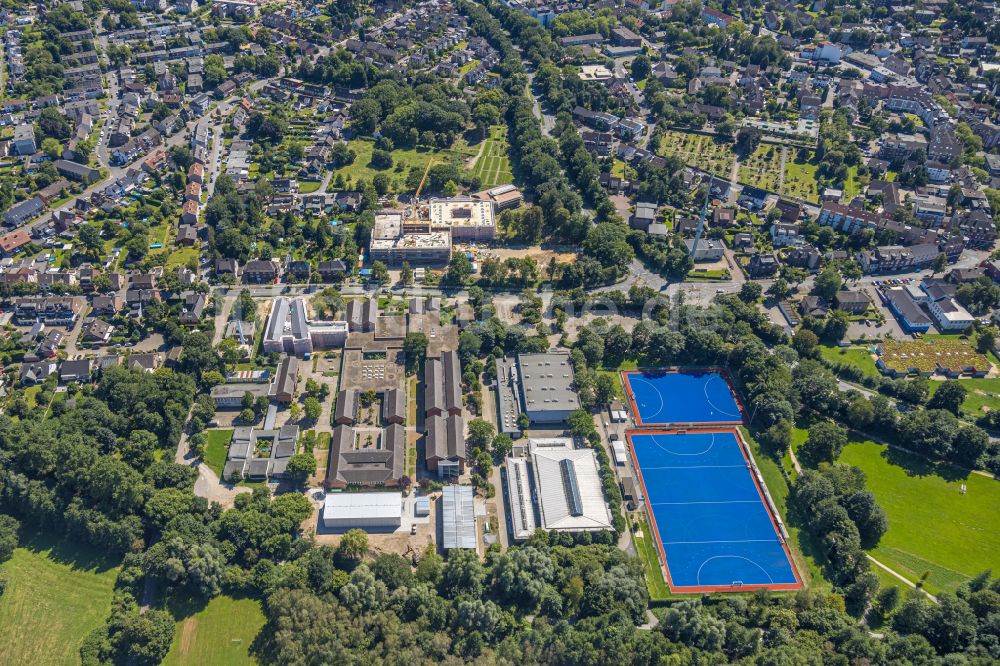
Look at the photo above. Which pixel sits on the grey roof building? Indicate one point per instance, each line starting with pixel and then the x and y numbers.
pixel 394 406
pixel 77 171
pixel 346 411
pixel 231 395
pixel 75 371
pixel 547 392
pixel 443 385
pixel 444 445
pixel 380 465
pixel 459 518
pixel 260 453
pixel 508 397
pixel 361 315
pixel 282 389
pixel 20 213
pixel 287 329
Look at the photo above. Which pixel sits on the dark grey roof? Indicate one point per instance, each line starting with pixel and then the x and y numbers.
pixel 285 377
pixel 79 369
pixel 445 438
pixel 393 406
pixel 443 383
pixel 347 406
pixel 907 307
pixel 369 466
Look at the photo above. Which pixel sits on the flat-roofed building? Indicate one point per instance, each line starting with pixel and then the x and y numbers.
pixel 547 392
pixel 390 245
pixel 508 397
pixel 458 518
pixel 521 508
pixel 363 510
pixel 467 218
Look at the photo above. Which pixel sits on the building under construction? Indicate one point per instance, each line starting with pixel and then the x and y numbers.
pixel 424 232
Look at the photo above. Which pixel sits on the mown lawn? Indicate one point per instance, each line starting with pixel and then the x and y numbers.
pixel 493 165
pixel 800 178
pixel 181 256
pixel 982 393
pixel 645 545
pixel 216 448
pixel 933 528
pixel 57 593
pixel 855 356
pixel 219 634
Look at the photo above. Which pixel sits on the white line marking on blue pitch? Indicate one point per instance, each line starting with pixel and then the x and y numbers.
pixel 735 557
pixel 753 501
pixel 723 541
pixel 659 396
pixel 709 400
pixel 647 467
pixel 681 453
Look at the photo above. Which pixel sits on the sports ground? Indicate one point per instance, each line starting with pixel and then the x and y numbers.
pixel 711 523
pixel 685 397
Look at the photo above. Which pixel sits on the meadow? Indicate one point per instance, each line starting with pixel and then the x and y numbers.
pixel 57 593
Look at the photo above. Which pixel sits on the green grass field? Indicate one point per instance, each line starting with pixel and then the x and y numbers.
pixel 216 449
pixel 852 186
pixel 932 527
pixel 402 161
pixel 309 186
pixel 856 356
pixel 219 634
pixel 57 593
pixel 656 583
pixel 181 256
pixel 982 393
pixel 800 178
pixel 493 166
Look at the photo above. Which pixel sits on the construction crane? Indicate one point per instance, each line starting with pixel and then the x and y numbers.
pixel 701 218
pixel 420 187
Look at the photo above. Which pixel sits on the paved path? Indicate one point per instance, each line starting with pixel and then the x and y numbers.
pixel 781 172
pixel 795 461
pixel 896 574
pixel 651 621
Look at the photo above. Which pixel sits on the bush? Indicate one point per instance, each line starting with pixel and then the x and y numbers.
pixel 381 159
